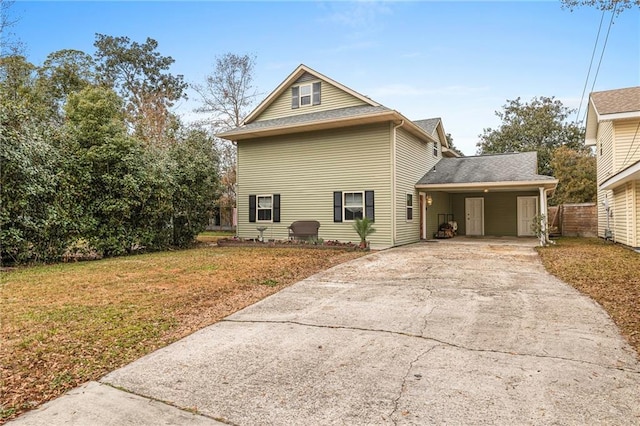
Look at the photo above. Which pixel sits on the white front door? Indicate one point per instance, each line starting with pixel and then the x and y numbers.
pixel 527 211
pixel 474 210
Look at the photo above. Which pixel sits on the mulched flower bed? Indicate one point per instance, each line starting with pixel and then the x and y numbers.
pixel 331 244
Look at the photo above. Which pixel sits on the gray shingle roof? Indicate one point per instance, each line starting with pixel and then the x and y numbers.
pixel 428 125
pixel 334 114
pixel 485 168
pixel 617 101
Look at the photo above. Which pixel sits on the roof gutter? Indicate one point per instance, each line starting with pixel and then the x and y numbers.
pixel 488 185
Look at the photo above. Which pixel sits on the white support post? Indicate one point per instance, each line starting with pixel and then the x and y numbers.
pixel 544 234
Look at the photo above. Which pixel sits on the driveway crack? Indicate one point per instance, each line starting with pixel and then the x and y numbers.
pixel 433 339
pixel 396 401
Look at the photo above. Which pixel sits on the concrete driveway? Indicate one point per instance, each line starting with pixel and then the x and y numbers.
pixel 460 331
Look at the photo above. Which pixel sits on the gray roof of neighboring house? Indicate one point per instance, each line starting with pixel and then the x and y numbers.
pixel 617 101
pixel 485 168
pixel 334 114
pixel 428 125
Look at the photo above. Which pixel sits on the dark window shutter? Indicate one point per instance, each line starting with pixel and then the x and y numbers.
pixel 316 93
pixel 252 208
pixel 276 207
pixel 369 210
pixel 295 97
pixel 337 206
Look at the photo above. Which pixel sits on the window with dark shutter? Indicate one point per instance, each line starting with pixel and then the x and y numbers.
pixel 369 210
pixel 276 207
pixel 295 97
pixel 252 208
pixel 316 93
pixel 337 206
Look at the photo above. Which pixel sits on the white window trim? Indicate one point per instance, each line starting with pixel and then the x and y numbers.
pixel 344 205
pixel 435 149
pixel 258 208
pixel 300 96
pixel 408 207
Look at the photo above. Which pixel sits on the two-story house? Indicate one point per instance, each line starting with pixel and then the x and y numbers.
pixel 613 128
pixel 315 149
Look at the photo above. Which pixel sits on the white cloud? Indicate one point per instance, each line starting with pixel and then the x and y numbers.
pixel 357 14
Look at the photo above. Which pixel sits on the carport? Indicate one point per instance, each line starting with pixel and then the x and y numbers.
pixel 489 195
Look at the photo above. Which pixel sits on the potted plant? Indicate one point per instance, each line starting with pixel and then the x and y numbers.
pixel 364 228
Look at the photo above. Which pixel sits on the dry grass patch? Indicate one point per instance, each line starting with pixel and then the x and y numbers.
pixel 65 324
pixel 608 273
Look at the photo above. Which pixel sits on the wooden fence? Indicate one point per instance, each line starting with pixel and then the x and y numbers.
pixel 574 220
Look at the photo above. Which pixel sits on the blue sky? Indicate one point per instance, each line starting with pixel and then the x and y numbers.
pixel 457 60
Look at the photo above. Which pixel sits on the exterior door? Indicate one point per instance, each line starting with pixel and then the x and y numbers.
pixel 474 211
pixel 527 211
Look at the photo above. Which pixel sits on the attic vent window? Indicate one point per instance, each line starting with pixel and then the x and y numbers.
pixel 305 95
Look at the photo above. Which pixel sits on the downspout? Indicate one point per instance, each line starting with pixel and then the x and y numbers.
pixel 393 182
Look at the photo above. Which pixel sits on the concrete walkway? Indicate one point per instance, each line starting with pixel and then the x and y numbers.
pixel 462 331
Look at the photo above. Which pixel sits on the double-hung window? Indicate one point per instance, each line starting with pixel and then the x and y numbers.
pixel 409 207
pixel 306 94
pixel 264 208
pixel 353 205
pixel 435 149
pixel 349 206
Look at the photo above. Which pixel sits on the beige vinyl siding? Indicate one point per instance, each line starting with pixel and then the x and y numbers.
pixel 618 219
pixel 602 212
pixel 636 208
pixel 331 98
pixel 305 169
pixel 413 160
pixel 627 144
pixel 606 146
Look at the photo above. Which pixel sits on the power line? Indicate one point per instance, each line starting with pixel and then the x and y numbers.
pixel 630 157
pixel 604 46
pixel 593 54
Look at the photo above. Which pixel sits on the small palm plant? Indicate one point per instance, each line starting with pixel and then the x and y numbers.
pixel 364 228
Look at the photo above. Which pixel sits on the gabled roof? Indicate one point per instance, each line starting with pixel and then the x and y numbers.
pixel 618 104
pixel 498 170
pixel 295 75
pixel 616 101
pixel 429 125
pixel 372 112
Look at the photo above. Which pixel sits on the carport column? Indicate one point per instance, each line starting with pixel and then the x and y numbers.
pixel 544 236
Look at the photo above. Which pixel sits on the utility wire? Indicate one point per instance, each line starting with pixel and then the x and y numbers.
pixel 604 46
pixel 629 155
pixel 593 54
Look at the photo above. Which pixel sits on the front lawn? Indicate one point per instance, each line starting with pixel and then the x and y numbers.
pixel 62 325
pixel 606 272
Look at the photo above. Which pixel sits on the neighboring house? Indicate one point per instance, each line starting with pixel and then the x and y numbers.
pixel 613 128
pixel 316 150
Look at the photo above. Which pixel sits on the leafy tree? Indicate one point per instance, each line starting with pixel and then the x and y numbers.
pixel 34 225
pixel 226 97
pixel 539 125
pixel 576 173
pixel 140 75
pixel 618 5
pixel 195 184
pixel 65 72
pixel 114 187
